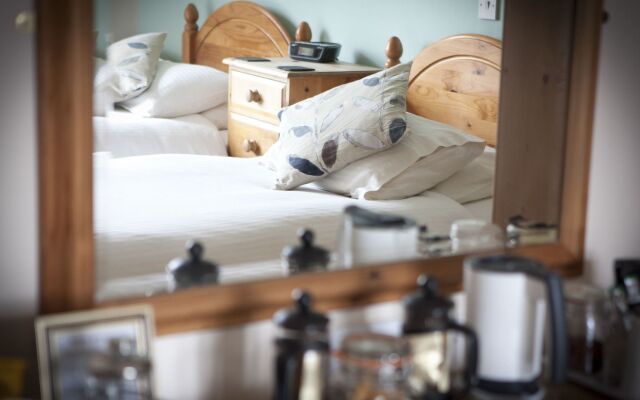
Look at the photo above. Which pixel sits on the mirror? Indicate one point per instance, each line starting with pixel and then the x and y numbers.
pixel 184 132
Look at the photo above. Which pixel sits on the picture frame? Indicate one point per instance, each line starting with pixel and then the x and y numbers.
pixel 101 353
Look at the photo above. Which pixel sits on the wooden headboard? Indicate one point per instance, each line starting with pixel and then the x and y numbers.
pixel 239 28
pixel 456 81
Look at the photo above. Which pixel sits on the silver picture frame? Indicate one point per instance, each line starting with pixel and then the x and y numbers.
pixel 104 353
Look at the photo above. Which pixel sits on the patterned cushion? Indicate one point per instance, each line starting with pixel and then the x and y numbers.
pixel 324 133
pixel 135 60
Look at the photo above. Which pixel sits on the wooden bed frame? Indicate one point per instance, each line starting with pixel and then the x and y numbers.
pixel 239 28
pixel 455 80
pixel 559 81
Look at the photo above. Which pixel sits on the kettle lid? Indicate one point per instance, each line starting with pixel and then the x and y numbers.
pixel 301 316
pixel 507 264
pixel 426 302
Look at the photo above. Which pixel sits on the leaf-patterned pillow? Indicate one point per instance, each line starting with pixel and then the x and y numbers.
pixel 326 132
pixel 134 60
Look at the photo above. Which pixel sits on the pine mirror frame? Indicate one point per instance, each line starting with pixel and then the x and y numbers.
pixel 65 45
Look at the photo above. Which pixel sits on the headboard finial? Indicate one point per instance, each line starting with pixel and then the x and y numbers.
pixel 393 52
pixel 190 17
pixel 189 33
pixel 303 33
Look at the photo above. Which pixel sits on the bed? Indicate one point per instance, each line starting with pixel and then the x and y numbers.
pixel 239 28
pixel 147 207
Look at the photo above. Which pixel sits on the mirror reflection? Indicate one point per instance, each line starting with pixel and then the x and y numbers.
pixel 229 149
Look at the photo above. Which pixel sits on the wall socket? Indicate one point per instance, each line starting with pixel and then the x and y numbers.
pixel 488 9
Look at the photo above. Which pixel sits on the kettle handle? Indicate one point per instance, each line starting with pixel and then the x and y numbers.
pixel 472 354
pixel 558 328
pixel 559 344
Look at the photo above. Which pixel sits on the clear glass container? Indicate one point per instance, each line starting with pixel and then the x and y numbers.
pixel 587 322
pixel 371 366
pixel 474 234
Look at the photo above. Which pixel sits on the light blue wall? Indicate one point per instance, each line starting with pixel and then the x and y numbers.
pixel 101 24
pixel 361 26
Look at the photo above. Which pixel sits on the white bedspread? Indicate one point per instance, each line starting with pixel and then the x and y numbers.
pixel 124 134
pixel 147 208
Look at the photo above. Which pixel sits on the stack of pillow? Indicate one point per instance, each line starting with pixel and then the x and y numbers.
pixel 135 78
pixel 358 140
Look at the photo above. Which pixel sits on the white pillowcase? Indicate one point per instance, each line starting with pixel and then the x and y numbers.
pixel 218 116
pixel 104 92
pixel 430 153
pixel 473 182
pixel 326 132
pixel 180 89
pixel 135 59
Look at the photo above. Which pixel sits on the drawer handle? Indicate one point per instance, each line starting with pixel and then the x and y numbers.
pixel 254 96
pixel 250 146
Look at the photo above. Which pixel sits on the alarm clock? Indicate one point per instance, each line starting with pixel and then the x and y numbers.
pixel 322 52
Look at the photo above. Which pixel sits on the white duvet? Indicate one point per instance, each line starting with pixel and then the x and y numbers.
pixel 147 207
pixel 124 134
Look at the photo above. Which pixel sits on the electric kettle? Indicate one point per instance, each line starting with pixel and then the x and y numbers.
pixel 507 299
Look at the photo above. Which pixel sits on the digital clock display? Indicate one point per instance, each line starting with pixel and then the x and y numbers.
pixel 305 51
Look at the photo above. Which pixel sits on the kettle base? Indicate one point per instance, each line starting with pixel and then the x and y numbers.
pixel 509 387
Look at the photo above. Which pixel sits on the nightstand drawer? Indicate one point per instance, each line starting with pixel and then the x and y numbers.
pixel 249 137
pixel 256 96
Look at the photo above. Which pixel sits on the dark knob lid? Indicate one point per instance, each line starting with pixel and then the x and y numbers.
pixel 194 269
pixel 306 255
pixel 301 316
pixel 426 306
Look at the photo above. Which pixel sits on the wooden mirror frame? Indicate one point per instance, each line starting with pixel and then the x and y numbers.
pixel 558 108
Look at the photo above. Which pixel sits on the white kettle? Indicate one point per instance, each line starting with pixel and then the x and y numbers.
pixel 506 303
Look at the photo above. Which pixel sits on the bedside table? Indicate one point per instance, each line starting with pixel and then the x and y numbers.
pixel 257 90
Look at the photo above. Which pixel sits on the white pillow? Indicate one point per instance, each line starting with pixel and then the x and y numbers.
pixel 326 132
pixel 180 89
pixel 430 153
pixel 473 182
pixel 135 59
pixel 104 92
pixel 218 116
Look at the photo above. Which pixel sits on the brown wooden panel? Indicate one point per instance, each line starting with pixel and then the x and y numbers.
pixel 533 109
pixel 65 82
pixel 575 185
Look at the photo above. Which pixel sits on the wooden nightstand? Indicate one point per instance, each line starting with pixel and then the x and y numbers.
pixel 257 90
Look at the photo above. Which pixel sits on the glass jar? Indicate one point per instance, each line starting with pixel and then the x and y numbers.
pixel 371 366
pixel 474 234
pixel 587 320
